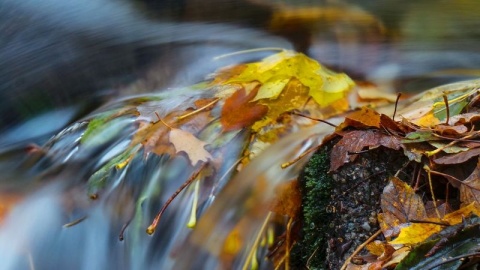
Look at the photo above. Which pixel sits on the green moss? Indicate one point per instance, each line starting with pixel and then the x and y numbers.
pixel 317 185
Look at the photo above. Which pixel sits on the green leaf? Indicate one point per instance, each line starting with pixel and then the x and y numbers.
pixel 98 180
pixel 456 102
pixel 419 136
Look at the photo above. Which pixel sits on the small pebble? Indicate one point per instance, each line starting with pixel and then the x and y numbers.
pixel 366 226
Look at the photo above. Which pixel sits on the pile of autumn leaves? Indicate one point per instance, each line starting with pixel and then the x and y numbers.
pixel 426 218
pixel 263 101
pixel 249 104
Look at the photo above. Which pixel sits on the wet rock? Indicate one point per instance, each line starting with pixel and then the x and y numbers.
pixel 341 207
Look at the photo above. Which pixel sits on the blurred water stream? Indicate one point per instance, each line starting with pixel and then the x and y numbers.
pixel 61 61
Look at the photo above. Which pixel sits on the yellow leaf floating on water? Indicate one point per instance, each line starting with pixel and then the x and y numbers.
pixel 193 147
pixel 275 71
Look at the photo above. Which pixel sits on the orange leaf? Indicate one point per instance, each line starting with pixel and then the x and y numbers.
pixel 227 73
pixel 238 112
pixel 363 118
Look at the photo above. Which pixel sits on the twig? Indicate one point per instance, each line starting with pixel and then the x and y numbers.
pixel 75 222
pixel 153 226
pixel 314 119
pixel 396 105
pixel 445 99
pixel 198 110
pixel 454 179
pixel 306 152
pixel 287 244
pixel 427 169
pixel 124 227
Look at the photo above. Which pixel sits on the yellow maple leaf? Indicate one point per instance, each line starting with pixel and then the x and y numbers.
pixel 274 72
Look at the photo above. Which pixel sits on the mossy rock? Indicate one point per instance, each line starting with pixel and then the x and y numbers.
pixel 339 209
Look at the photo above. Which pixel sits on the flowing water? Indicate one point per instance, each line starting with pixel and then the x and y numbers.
pixel 63 60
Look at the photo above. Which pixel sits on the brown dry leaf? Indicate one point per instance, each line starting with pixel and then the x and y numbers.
pixel 389 124
pixel 464 118
pixel 389 224
pixel 441 208
pixel 194 123
pixel 154 138
pixel 470 189
pixel 450 130
pixel 193 147
pixel 458 158
pixel 288 199
pixel 355 141
pixel 397 257
pixel 363 118
pixel 225 74
pixel 399 205
pixel 238 112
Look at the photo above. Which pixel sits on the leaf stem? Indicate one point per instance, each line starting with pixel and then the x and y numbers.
pixel 160 119
pixel 306 152
pixel 396 105
pixel 445 99
pixel 314 119
pixel 198 110
pixel 193 215
pixel 75 222
pixel 153 226
pixel 255 243
pixel 427 169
